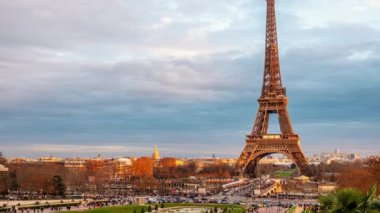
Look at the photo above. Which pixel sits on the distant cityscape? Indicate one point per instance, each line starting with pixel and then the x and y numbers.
pixel 98 181
pixel 280 160
pixel 275 175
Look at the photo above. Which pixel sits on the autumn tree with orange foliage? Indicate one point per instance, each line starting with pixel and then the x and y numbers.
pixel 361 178
pixel 167 162
pixel 36 177
pixel 143 167
pixel 184 171
pixel 374 167
pixel 167 168
pixel 3 182
pixel 76 179
pixel 95 173
pixel 146 184
pixel 218 170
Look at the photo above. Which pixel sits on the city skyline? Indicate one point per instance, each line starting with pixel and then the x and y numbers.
pixel 183 156
pixel 84 79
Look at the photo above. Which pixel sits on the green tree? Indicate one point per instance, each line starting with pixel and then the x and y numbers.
pixel 162 205
pixel 59 185
pixel 149 208
pixel 142 210
pixel 156 207
pixel 134 210
pixel 350 200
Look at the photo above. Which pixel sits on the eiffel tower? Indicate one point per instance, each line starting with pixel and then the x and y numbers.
pixel 260 143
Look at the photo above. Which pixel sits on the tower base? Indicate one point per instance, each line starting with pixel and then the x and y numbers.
pixel 258 148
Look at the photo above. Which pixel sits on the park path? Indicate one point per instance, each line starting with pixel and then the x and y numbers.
pixel 272 209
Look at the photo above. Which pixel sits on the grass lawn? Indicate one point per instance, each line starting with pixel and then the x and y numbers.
pixel 291 210
pixel 138 209
pixel 233 208
pixel 284 173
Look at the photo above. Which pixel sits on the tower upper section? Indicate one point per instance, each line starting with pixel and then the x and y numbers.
pixel 272 85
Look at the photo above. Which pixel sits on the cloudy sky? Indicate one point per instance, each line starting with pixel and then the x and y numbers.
pixel 81 77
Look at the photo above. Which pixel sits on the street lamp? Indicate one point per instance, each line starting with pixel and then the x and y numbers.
pixel 9 197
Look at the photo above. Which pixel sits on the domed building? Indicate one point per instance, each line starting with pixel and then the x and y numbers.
pixel 123 168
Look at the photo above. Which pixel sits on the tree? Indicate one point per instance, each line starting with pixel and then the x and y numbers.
pixel 59 185
pixel 167 162
pixel 3 160
pixel 147 183
pixel 4 182
pixel 217 170
pixel 36 176
pixel 166 168
pixel 374 165
pixel 187 170
pixel 374 168
pixel 156 207
pixel 149 208
pixel 76 179
pixel 95 168
pixel 143 167
pixel 350 200
pixel 14 185
pixel 344 200
pixel 348 178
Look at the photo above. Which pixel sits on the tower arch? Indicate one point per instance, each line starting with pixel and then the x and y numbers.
pixel 252 163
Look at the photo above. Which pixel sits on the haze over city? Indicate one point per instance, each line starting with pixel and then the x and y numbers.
pixel 85 77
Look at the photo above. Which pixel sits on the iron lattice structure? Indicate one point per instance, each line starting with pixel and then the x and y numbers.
pixel 272 101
